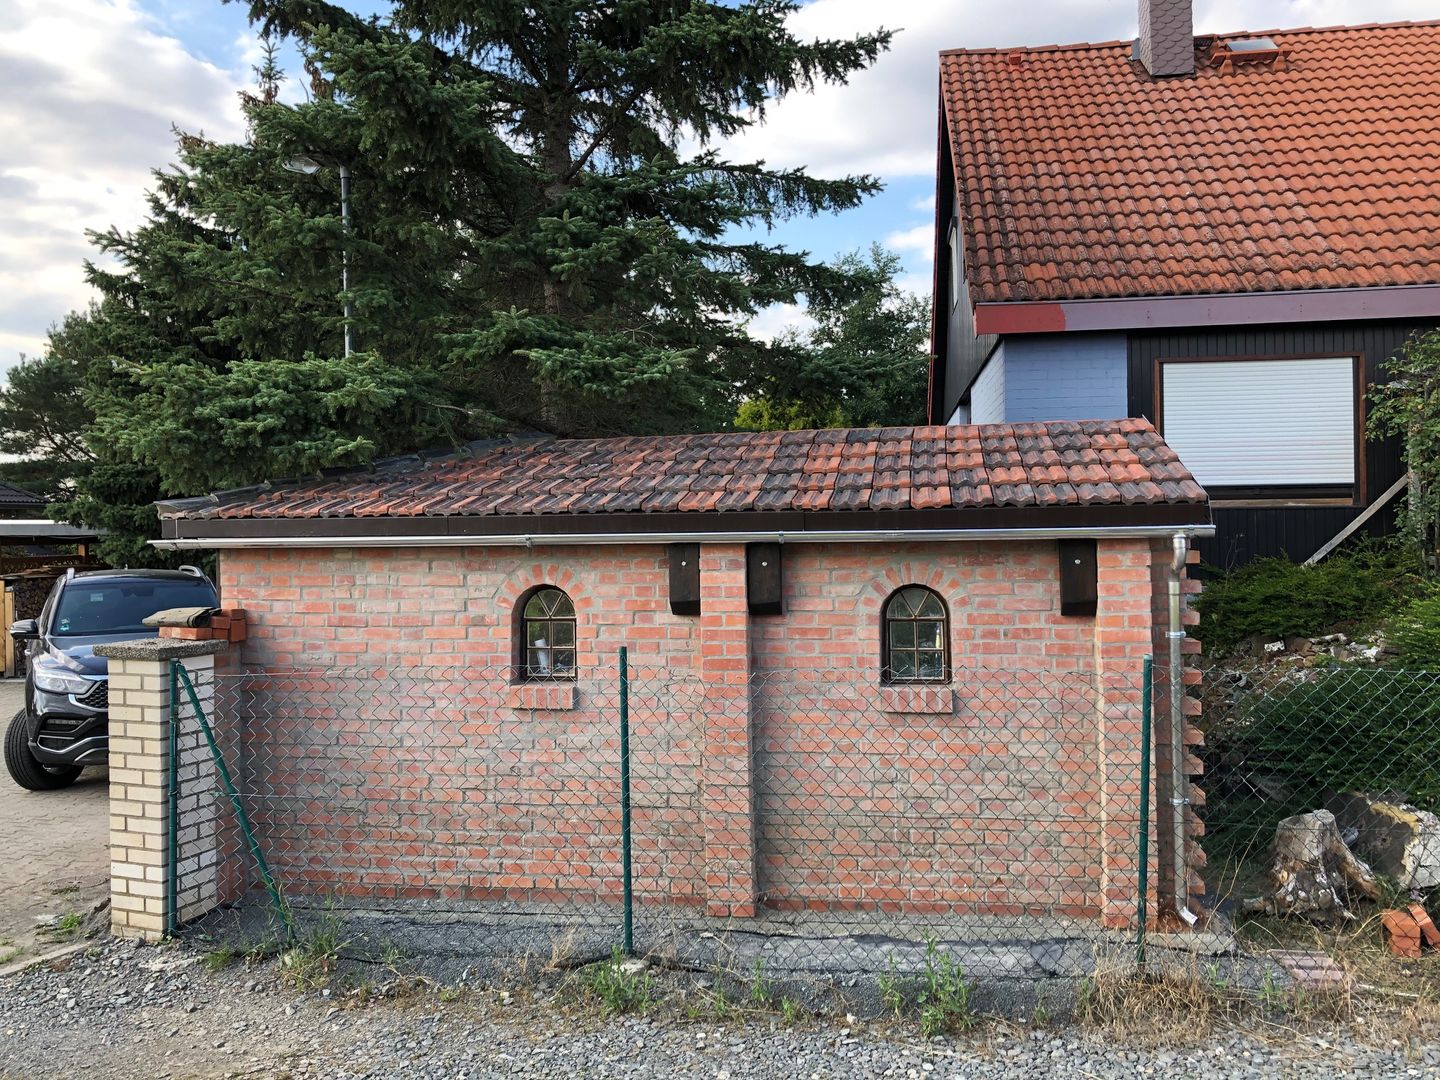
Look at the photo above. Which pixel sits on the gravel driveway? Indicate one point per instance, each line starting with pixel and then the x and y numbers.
pixel 131 1012
pixel 56 858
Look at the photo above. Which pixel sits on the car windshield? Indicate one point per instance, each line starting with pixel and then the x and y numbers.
pixel 121 606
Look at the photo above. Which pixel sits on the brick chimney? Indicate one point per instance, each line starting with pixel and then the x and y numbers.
pixel 1166 45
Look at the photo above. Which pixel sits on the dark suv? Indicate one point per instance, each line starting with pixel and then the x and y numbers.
pixel 64 724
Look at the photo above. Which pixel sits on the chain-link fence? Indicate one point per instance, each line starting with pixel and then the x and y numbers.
pixel 805 821
pixel 1301 734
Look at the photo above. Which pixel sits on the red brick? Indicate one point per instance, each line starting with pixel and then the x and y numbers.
pixel 1402 932
pixel 1428 930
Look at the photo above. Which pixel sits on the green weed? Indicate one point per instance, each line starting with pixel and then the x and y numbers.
pixel 760 992
pixel 892 996
pixel 944 994
pixel 1272 998
pixel 223 957
pixel 311 962
pixel 620 990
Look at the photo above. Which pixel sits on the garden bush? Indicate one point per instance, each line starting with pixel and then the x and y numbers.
pixel 1350 728
pixel 1353 590
pixel 1414 632
pixel 1281 745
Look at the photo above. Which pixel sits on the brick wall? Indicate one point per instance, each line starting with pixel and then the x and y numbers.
pixel 462 790
pixel 770 765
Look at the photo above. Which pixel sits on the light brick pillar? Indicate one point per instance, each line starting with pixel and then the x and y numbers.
pixel 1123 637
pixel 728 781
pixel 140 716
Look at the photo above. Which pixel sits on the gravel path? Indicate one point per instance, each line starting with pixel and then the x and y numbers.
pixel 128 1012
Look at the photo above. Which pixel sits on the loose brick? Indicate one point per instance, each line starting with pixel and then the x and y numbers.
pixel 1402 932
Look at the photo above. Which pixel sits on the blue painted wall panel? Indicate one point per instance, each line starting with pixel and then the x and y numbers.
pixel 1065 377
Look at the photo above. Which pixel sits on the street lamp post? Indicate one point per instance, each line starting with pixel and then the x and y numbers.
pixel 304 163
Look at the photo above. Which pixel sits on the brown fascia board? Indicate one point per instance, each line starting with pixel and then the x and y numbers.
pixel 1216 309
pixel 1077 518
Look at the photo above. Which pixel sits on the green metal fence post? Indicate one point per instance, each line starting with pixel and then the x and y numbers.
pixel 172 866
pixel 1143 886
pixel 625 800
pixel 272 887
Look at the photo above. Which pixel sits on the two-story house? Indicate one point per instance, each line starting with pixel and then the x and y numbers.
pixel 1226 234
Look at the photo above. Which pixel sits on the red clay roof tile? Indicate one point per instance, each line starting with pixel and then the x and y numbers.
pixel 1079 175
pixel 1056 464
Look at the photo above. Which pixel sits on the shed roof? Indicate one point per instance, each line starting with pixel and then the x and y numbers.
pixel 12 495
pixel 1101 471
pixel 1080 176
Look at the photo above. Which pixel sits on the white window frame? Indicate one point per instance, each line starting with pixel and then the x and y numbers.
pixel 1284 469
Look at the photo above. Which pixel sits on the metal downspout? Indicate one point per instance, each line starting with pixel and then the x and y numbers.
pixel 1179 787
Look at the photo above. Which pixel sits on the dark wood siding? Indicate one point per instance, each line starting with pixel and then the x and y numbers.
pixel 1248 533
pixel 961 354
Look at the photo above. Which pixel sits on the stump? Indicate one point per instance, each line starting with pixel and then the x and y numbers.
pixel 1313 873
pixel 1396 839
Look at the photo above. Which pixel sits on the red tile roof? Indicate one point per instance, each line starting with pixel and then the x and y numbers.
pixel 1079 175
pixel 1079 464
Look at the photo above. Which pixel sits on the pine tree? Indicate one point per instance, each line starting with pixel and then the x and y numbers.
pixel 542 236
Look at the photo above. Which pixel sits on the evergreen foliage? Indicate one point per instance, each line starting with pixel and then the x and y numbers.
pixel 1353 589
pixel 543 236
pixel 1407 405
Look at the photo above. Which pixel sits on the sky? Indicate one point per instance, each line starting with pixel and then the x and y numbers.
pixel 92 90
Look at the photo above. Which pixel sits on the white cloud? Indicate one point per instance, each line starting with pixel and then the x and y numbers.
pixel 919 284
pixel 91 91
pixel 920 241
pixel 883 122
pixel 1227 16
pixel 778 319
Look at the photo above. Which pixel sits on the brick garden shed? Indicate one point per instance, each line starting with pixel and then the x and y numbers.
pixel 893 672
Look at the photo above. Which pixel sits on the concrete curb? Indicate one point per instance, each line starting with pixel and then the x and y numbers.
pixel 29 962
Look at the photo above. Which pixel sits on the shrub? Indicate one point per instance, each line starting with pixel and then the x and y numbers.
pixel 1281 746
pixel 1350 728
pixel 1275 597
pixel 1414 632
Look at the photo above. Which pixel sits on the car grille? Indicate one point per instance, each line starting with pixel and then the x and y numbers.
pixel 97 697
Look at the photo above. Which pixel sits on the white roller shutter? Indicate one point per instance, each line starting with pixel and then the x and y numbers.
pixel 1262 422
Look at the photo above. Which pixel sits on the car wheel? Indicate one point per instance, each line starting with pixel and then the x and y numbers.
pixel 24 769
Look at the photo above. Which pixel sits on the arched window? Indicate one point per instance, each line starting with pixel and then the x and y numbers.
pixel 547 635
pixel 916 645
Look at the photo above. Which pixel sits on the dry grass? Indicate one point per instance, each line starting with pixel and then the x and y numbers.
pixel 1186 999
pixel 1359 947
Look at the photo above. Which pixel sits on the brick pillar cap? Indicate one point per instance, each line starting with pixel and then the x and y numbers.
pixel 159 649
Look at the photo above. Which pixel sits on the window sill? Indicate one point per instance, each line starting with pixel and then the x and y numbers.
pixel 917 699
pixel 543 696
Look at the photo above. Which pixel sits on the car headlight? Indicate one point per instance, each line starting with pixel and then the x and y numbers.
pixel 56 680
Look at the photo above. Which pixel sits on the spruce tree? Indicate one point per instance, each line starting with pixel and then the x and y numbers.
pixel 543 235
